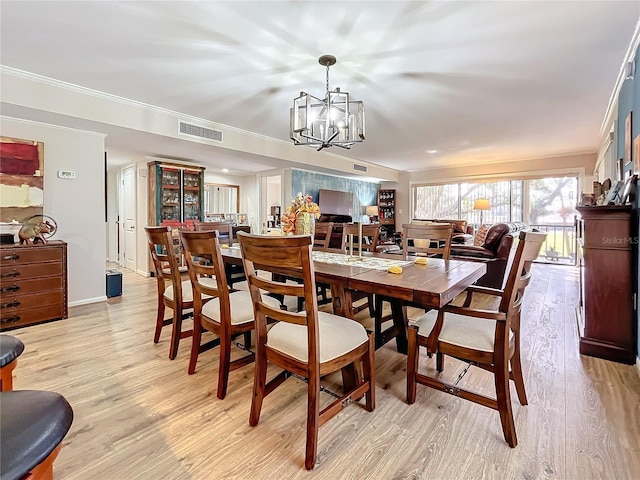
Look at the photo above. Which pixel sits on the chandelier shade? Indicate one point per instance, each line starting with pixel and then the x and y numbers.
pixel 334 120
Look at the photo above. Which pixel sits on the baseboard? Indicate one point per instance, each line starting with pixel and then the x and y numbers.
pixel 143 273
pixel 638 364
pixel 87 301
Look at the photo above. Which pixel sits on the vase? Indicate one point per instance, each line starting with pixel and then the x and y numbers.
pixel 305 224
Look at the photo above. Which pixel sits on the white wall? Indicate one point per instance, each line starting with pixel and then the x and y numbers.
pixel 76 205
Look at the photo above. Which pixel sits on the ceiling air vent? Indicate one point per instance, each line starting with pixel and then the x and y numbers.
pixel 200 132
pixel 360 168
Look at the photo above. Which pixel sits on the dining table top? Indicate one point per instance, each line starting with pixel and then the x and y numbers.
pixel 430 285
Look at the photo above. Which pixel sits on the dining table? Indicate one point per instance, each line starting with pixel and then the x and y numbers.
pixel 428 285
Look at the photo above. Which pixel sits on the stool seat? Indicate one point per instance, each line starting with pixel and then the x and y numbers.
pixel 10 349
pixel 33 423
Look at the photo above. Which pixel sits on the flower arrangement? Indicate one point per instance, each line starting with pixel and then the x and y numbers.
pixel 300 204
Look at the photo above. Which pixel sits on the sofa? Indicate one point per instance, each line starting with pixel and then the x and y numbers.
pixel 462 233
pixel 494 250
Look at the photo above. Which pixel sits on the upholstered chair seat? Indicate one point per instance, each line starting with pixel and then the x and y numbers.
pixel 187 291
pixel 10 349
pixel 33 424
pixel 458 330
pixel 337 335
pixel 241 307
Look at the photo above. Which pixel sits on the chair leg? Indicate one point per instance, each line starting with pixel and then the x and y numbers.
pixel 368 370
pixel 439 362
pixel 313 413
pixel 504 402
pixel 372 307
pixel 247 340
pixel 259 383
pixel 225 360
pixel 176 331
pixel 159 321
pixel 195 344
pixel 516 371
pixel 412 363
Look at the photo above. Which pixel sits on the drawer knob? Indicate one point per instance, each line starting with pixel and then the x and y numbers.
pixel 12 273
pixel 12 288
pixel 15 303
pixel 13 256
pixel 14 318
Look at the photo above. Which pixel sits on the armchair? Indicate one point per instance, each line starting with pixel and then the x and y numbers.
pixel 494 251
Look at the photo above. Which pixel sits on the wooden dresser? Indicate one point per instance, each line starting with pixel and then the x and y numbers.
pixel 606 316
pixel 33 283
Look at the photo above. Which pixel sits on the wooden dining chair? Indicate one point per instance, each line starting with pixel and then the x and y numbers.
pixel 322 236
pixel 234 273
pixel 487 339
pixel 173 291
pixel 216 309
pixel 310 344
pixel 429 239
pixel 370 235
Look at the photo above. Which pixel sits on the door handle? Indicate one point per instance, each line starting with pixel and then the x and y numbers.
pixel 13 256
pixel 14 318
pixel 12 273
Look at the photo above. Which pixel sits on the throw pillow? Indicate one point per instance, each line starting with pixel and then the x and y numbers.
pixel 481 234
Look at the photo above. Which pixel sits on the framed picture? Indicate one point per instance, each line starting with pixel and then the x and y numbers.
pixel 636 155
pixel 629 191
pixel 627 139
pixel 243 219
pixel 232 217
pixel 613 193
pixel 215 217
pixel 620 168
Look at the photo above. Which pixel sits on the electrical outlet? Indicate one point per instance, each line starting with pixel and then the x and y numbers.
pixel 66 174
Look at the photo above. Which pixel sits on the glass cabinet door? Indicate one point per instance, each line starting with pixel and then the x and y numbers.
pixel 170 194
pixel 192 186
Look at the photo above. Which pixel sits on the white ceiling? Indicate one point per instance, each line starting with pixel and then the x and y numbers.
pixel 443 83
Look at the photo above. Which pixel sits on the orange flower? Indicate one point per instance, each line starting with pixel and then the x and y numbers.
pixel 301 203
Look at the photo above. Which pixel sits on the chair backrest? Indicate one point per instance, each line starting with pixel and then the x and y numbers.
pixel 430 239
pixel 224 229
pixel 164 258
pixel 204 259
pixel 370 234
pixel 322 236
pixel 273 254
pixel 520 274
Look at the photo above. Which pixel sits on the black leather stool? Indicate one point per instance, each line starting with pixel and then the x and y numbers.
pixel 10 349
pixel 32 427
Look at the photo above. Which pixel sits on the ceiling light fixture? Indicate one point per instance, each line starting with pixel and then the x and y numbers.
pixel 334 120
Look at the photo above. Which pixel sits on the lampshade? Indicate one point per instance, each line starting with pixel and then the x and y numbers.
pixel 481 204
pixel 333 120
pixel 372 210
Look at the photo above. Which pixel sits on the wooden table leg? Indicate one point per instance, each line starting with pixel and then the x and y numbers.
pixel 399 314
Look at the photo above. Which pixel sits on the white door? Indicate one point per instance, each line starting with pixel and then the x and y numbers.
pixel 129 215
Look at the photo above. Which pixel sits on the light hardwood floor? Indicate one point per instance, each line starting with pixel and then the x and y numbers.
pixel 138 415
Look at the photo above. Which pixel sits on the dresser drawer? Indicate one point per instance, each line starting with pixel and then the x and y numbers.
pixel 17 302
pixel 17 286
pixel 22 317
pixel 30 255
pixel 35 270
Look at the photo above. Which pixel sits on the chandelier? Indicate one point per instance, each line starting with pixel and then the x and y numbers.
pixel 333 120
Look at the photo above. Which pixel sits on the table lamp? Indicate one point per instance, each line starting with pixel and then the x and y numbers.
pixel 372 211
pixel 481 204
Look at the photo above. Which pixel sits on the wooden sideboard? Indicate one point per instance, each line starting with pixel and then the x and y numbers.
pixel 33 284
pixel 606 316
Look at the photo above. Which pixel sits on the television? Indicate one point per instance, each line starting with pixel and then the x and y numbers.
pixel 334 202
